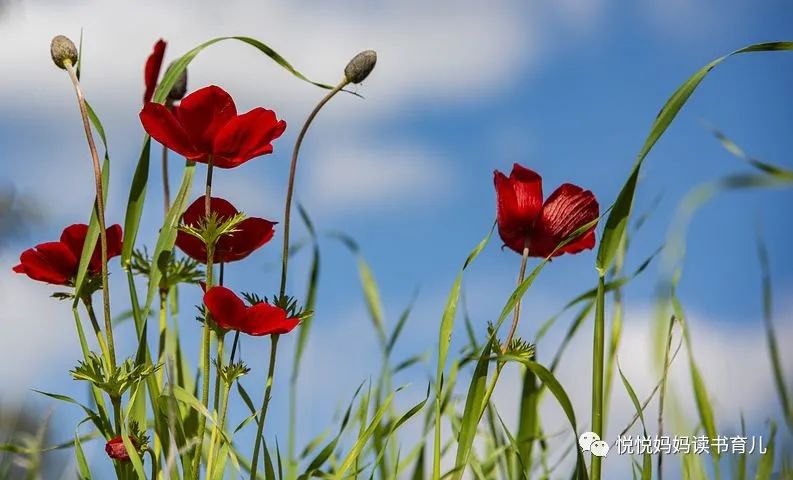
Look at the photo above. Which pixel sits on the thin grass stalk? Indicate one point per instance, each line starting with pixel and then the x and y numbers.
pixel 89 308
pixel 662 394
pixel 291 183
pixel 285 261
pixel 598 348
pixel 206 340
pixel 265 402
pixel 100 207
pixel 516 318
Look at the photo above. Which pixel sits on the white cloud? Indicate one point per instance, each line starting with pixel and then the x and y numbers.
pixel 356 177
pixel 430 55
pixel 38 332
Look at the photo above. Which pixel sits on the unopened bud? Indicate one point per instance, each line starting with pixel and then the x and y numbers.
pixel 63 50
pixel 180 87
pixel 360 66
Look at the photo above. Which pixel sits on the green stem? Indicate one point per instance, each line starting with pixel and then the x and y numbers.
pixel 291 184
pixel 521 276
pixel 265 403
pixel 206 339
pixel 598 348
pixel 100 208
pixel 214 447
pixel 89 307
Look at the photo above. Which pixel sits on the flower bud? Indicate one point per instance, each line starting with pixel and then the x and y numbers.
pixel 180 87
pixel 63 50
pixel 360 66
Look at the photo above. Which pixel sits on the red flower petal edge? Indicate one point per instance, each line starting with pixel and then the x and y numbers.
pixel 523 220
pixel 229 312
pixel 252 233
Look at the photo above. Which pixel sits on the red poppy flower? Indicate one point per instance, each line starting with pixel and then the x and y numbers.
pixel 250 234
pixel 116 450
pixel 152 70
pixel 230 313
pixel 206 124
pixel 58 262
pixel 524 219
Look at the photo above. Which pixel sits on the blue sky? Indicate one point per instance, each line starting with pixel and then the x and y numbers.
pixel 568 89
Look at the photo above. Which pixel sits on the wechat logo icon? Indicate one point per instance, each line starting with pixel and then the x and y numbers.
pixel 591 442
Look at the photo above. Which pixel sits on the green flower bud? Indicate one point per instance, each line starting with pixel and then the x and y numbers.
pixel 63 50
pixel 360 66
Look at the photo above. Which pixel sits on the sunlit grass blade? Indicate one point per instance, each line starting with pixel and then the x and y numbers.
pixel 647 467
pixel 444 339
pixel 701 396
pixel 730 146
pixel 773 347
pixel 83 470
pixel 617 221
pixel 765 469
pixel 354 453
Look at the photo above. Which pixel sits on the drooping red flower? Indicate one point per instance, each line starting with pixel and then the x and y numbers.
pixel 229 312
pixel 206 124
pixel 524 219
pixel 251 234
pixel 58 262
pixel 152 70
pixel 116 450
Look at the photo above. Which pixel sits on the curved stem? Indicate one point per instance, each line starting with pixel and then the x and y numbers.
pixel 521 277
pixel 265 403
pixel 291 184
pixel 100 208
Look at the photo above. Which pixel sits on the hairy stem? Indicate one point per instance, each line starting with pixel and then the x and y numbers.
pixel 100 208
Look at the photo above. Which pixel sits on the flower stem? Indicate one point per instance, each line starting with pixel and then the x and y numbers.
pixel 207 335
pixel 265 403
pixel 89 307
pixel 598 348
pixel 100 208
pixel 292 172
pixel 218 432
pixel 163 329
pixel 516 318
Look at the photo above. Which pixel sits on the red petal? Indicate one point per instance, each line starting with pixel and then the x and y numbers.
pixel 192 246
pixel 252 233
pixel 116 450
pixel 113 248
pixel 152 70
pixel 197 210
pixel 203 113
pixel 51 262
pixel 227 309
pixel 519 200
pixel 247 136
pixel 567 209
pixel 265 319
pixel 73 237
pixel 163 126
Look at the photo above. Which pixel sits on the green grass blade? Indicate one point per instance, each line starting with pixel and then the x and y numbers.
pixel 765 469
pixel 618 219
pixel 444 339
pixel 773 347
